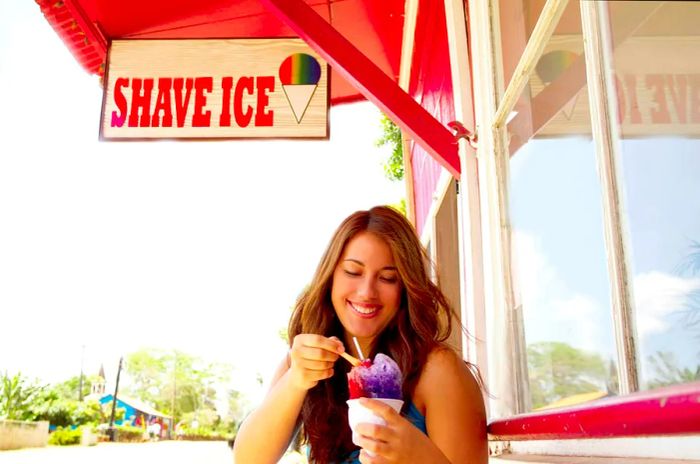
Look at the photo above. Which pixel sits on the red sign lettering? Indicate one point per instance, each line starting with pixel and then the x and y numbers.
pixel 135 108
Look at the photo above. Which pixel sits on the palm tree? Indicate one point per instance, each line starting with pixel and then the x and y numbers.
pixel 667 371
pixel 691 262
pixel 16 395
pixel 691 265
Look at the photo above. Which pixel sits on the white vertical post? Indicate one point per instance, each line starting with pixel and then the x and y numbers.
pixel 468 207
pixel 507 379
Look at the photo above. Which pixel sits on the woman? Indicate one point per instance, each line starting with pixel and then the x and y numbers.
pixel 373 284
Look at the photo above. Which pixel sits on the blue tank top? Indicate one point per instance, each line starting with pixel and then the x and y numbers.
pixel 412 414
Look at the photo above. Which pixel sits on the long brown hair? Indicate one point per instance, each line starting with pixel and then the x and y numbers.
pixel 422 323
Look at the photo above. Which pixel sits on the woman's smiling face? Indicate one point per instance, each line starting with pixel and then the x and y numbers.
pixel 366 291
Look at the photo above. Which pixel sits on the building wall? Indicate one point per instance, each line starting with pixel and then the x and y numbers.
pixel 22 434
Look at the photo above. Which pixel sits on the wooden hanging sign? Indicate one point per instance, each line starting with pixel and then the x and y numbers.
pixel 214 89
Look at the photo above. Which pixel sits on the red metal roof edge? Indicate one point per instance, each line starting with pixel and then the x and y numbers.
pixel 82 38
pixel 89 46
pixel 369 79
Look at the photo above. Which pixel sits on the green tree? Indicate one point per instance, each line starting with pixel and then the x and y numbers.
pixel 238 407
pixel 21 399
pixel 17 394
pixel 558 370
pixel 400 206
pixel 88 412
pixel 393 166
pixel 69 389
pixel 147 371
pixel 391 136
pixel 106 413
pixel 50 406
pixel 667 372
pixel 283 334
pixel 58 405
pixel 176 383
pixel 691 262
pixel 691 265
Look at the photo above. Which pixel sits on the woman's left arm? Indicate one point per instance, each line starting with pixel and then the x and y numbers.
pixel 455 420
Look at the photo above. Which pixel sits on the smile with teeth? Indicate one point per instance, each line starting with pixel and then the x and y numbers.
pixel 364 310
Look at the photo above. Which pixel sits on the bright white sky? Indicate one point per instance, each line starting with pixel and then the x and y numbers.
pixel 201 247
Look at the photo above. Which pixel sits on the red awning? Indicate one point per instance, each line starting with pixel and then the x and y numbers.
pixel 86 26
pixel 360 39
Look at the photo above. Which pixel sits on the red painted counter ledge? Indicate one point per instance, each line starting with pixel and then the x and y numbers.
pixel 671 410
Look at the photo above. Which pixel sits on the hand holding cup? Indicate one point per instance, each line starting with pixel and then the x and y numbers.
pixel 380 380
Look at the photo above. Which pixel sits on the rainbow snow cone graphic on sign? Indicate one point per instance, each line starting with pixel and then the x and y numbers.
pixel 550 66
pixel 299 74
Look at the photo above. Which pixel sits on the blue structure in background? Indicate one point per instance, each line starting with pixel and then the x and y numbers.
pixel 134 409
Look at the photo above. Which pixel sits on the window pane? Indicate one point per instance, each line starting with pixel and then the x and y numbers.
pixel 659 106
pixel 559 260
pixel 517 19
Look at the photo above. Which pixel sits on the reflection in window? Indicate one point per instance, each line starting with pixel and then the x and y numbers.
pixel 560 272
pixel 559 261
pixel 659 106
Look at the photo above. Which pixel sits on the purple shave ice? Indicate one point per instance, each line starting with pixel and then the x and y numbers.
pixel 379 379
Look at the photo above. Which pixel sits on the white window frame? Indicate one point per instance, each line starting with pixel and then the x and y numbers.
pixel 606 138
pixel 494 153
pixel 471 267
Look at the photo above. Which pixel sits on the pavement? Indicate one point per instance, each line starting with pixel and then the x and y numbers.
pixel 170 452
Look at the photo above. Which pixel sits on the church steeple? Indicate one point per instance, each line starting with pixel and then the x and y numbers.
pixel 98 386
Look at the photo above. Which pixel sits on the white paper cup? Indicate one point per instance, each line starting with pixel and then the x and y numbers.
pixel 358 414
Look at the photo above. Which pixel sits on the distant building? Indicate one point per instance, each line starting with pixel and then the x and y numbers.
pixel 138 413
pixel 134 407
pixel 98 386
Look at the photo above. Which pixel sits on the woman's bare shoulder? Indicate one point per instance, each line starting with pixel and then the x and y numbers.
pixel 455 416
pixel 446 372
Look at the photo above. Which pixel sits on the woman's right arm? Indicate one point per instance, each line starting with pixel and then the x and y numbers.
pixel 266 433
